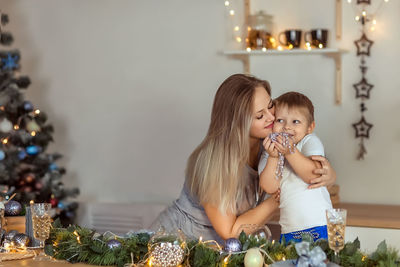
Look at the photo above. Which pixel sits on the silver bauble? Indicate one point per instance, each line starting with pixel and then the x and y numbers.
pixel 113 244
pixel 10 235
pixel 12 208
pixel 21 240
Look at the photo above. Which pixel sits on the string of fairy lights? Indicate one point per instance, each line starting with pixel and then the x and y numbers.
pixel 363 15
pixel 359 8
pixel 32 126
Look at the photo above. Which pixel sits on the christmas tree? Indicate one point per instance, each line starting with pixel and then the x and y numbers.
pixel 25 167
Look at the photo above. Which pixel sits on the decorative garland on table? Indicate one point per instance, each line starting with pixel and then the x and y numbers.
pixel 77 244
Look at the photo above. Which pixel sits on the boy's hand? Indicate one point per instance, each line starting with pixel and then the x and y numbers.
pixel 269 146
pixel 284 149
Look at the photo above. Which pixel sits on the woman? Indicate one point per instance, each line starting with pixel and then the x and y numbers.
pixel 221 192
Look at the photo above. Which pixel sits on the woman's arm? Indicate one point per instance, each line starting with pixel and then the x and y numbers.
pixel 227 225
pixel 327 175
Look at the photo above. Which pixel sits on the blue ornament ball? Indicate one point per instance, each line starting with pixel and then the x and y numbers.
pixel 33 150
pixel 12 208
pixel 233 245
pixel 22 154
pixel 28 106
pixel 2 155
pixel 113 244
pixel 53 167
pixel 61 205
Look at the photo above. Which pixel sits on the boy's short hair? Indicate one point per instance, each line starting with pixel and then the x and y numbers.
pixel 296 100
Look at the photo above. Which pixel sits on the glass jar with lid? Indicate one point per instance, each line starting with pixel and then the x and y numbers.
pixel 260 30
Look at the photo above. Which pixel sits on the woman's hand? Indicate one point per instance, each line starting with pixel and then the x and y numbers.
pixel 328 174
pixel 269 146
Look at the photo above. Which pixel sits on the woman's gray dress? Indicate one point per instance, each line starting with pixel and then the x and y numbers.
pixel 188 215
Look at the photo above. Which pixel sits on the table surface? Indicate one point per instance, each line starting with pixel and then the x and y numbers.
pixel 365 215
pixel 32 263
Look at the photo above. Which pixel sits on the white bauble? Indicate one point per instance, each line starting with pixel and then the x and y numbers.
pixel 32 126
pixel 5 126
pixel 253 258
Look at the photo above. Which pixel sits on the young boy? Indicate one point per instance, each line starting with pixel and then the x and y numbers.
pixel 302 210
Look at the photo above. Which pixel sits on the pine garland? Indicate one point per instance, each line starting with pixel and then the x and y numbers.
pixel 77 244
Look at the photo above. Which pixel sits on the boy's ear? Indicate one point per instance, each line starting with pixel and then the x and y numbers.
pixel 311 127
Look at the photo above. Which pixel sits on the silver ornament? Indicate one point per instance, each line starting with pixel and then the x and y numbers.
pixel 21 240
pixel 12 208
pixel 113 244
pixel 10 235
pixel 232 245
pixel 281 160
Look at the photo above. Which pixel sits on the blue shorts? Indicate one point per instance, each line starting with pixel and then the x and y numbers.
pixel 318 232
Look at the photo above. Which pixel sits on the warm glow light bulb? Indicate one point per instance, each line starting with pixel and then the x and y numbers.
pixel 16 127
pixel 349 1
pixel 37 112
pixel 364 13
pixel 5 141
pixel 290 46
pixel 248 28
pixel 236 28
pixel 321 46
pixel 232 12
pixel 374 22
pixel 238 39
pixel 386 1
pixel 357 18
pixel 372 28
pixel 226 3
pixel 264 49
pixel 33 133
pixel 248 49
pixel 280 48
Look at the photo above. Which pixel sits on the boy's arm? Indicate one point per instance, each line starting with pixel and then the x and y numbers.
pixel 303 166
pixel 268 182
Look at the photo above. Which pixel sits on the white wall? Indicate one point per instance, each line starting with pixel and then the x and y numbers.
pixel 129 85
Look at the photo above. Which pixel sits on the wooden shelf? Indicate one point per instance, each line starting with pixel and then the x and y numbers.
pixel 285 52
pixel 335 54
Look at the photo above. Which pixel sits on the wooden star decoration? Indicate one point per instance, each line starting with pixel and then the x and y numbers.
pixel 362 128
pixel 363 45
pixel 368 2
pixel 362 88
pixel 363 69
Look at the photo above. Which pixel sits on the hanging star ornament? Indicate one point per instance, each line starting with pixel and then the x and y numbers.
pixel 362 128
pixel 10 62
pixel 362 88
pixel 363 45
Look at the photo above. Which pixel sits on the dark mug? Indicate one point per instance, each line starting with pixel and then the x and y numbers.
pixel 292 38
pixel 317 38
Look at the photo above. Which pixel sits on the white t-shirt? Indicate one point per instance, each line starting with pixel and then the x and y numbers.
pixel 301 208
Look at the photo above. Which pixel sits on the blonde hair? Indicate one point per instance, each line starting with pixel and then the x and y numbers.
pixel 215 168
